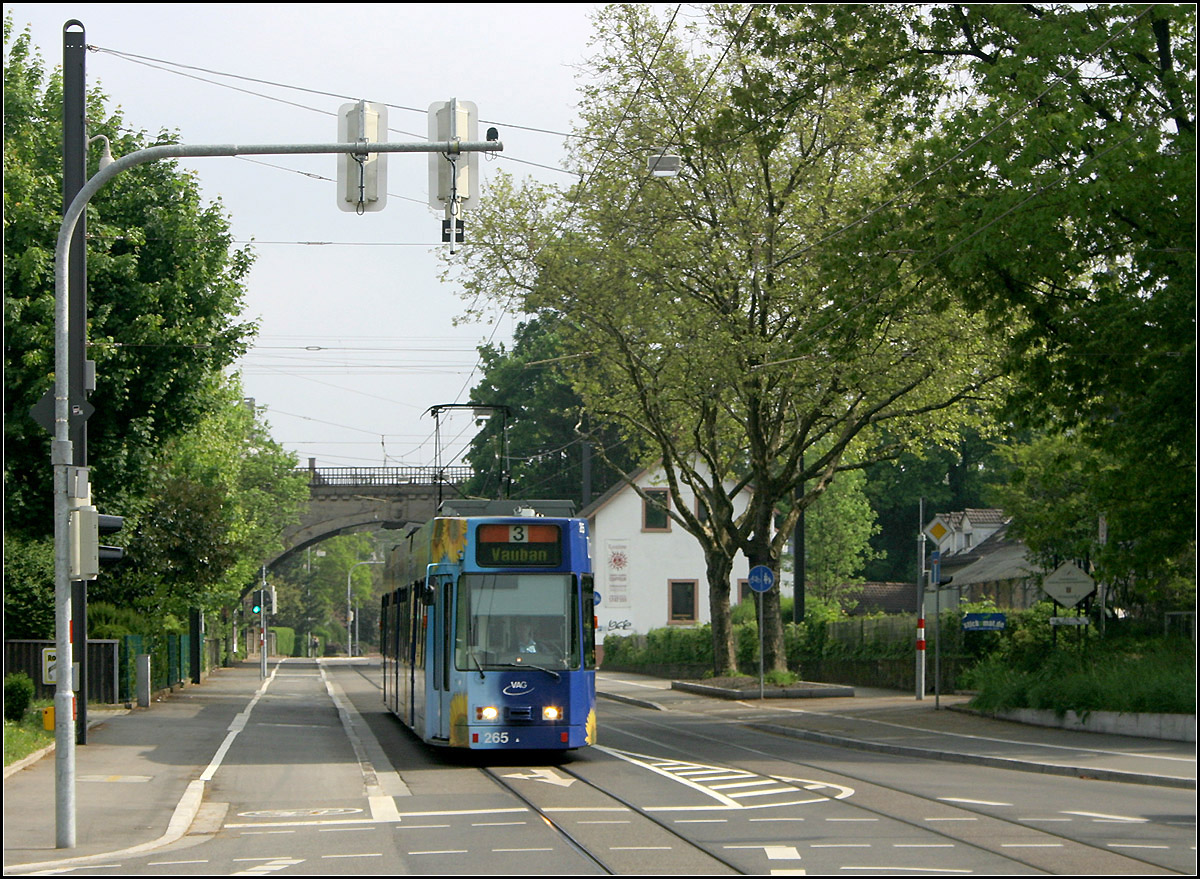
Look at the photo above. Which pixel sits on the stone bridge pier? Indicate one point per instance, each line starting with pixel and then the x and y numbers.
pixel 344 500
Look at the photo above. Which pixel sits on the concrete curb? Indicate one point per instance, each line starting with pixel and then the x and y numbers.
pixel 630 700
pixel 1167 727
pixel 800 690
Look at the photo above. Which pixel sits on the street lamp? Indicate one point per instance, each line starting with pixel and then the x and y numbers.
pixel 349 606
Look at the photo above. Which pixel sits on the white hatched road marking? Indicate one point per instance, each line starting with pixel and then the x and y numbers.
pixel 700 777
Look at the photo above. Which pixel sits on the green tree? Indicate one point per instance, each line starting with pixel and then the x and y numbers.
pixel 837 543
pixel 204 490
pixel 946 478
pixel 1056 496
pixel 1052 186
pixel 311 586
pixel 547 429
pixel 219 496
pixel 697 318
pixel 165 289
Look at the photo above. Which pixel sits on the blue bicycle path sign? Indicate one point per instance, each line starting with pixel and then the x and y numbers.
pixel 761 578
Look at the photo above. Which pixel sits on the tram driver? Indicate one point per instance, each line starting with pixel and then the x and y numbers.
pixel 525 639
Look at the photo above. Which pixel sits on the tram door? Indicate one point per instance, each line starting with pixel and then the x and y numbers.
pixel 438 667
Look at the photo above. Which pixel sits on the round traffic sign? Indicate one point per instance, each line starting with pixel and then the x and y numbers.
pixel 761 578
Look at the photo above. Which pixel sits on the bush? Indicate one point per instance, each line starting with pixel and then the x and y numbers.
pixel 285 640
pixel 1118 675
pixel 108 621
pixel 18 694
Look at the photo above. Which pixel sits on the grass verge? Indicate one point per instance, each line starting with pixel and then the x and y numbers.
pixel 26 736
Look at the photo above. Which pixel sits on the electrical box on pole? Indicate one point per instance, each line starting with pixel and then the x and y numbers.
pixel 362 177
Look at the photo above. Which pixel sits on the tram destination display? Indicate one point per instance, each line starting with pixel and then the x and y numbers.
pixel 518 545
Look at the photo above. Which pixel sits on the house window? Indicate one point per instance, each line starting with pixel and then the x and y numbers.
pixel 683 601
pixel 744 590
pixel 654 510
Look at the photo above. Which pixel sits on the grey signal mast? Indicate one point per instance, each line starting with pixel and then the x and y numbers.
pixel 73 514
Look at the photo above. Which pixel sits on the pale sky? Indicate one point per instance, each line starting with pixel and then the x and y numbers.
pixel 357 337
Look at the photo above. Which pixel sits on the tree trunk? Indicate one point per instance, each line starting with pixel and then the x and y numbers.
pixel 719 567
pixel 774 655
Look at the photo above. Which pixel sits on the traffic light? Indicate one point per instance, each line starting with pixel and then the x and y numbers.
pixel 110 525
pixel 263 601
pixel 86 552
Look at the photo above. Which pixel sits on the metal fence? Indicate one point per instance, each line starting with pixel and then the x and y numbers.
pixel 103 667
pixel 386 475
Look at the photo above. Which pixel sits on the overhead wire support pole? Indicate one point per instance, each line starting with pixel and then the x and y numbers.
pixel 61 453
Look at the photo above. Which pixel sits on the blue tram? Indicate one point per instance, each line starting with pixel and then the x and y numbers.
pixel 488 633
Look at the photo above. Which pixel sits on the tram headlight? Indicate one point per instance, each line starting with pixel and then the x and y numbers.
pixel 550 712
pixel 487 712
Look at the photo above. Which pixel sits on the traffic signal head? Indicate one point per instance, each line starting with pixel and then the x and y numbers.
pixel 111 525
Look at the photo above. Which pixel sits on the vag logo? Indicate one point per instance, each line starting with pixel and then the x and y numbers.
pixel 517 688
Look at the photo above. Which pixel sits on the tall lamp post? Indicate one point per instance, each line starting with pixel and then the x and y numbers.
pixel 350 606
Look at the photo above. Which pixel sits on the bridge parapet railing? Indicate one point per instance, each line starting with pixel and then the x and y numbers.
pixel 349 476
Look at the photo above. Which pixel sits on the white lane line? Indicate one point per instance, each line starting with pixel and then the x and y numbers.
pixel 885 869
pixel 1135 845
pixel 922 845
pixel 972 802
pixel 360 855
pixel 1031 845
pixel 840 845
pixel 1100 816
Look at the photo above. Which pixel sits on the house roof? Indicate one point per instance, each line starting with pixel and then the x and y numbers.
pixel 997 558
pixel 595 506
pixel 975 516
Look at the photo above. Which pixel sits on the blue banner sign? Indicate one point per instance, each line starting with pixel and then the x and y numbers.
pixel 984 622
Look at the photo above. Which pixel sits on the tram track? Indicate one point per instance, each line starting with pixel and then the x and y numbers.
pixel 547 814
pixel 675 735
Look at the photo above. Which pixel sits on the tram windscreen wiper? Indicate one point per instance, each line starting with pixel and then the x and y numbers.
pixel 548 671
pixel 475 659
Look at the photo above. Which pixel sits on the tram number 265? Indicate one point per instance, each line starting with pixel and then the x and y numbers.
pixel 494 738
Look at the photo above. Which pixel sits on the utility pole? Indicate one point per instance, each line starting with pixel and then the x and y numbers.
pixel 921 601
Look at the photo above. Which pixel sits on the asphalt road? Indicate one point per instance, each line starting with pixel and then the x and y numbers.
pixel 305 773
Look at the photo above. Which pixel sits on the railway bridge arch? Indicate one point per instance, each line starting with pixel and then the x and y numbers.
pixel 344 500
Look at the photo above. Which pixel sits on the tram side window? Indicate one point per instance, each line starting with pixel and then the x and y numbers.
pixel 589 623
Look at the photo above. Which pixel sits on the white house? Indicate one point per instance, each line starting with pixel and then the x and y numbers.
pixel 964 530
pixel 649 571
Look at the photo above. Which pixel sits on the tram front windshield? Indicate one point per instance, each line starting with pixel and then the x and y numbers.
pixel 511 619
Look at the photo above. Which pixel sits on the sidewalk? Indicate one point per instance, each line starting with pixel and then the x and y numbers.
pixel 138 781
pixel 893 722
